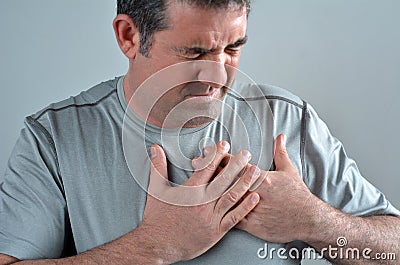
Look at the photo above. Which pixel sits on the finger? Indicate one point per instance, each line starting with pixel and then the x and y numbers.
pixel 209 152
pixel 222 165
pixel 200 162
pixel 235 194
pixel 219 169
pixel 213 159
pixel 244 223
pixel 196 162
pixel 281 156
pixel 158 169
pixel 241 211
pixel 259 181
pixel 225 161
pixel 229 174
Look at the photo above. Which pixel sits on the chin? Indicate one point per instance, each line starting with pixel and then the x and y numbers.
pixel 193 112
pixel 193 115
pixel 197 122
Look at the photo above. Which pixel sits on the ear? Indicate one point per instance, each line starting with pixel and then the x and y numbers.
pixel 127 35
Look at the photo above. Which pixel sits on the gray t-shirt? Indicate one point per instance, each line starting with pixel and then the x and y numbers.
pixel 77 176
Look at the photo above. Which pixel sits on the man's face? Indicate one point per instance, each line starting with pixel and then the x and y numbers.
pixel 195 34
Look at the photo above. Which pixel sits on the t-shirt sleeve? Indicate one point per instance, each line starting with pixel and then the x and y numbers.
pixel 32 203
pixel 334 177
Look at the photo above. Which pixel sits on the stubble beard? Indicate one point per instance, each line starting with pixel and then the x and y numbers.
pixel 188 115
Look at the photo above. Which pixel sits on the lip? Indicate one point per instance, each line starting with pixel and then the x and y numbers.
pixel 205 97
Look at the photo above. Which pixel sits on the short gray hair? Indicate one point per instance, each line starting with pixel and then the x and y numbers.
pixel 149 16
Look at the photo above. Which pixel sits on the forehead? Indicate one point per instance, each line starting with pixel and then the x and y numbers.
pixel 206 26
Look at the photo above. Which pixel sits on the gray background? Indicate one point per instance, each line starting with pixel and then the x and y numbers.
pixel 342 56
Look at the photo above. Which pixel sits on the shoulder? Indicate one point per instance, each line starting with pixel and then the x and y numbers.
pixel 283 104
pixel 94 96
pixel 265 92
pixel 68 116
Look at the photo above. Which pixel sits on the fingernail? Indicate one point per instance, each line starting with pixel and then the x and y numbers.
pixel 207 150
pixel 195 162
pixel 153 151
pixel 284 139
pixel 254 198
pixel 246 154
pixel 225 145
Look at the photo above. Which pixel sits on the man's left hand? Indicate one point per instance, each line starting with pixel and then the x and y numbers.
pixel 286 205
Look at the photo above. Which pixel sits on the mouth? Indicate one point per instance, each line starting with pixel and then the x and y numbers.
pixel 205 97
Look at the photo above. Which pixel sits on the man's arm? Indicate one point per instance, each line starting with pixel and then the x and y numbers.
pixel 363 240
pixel 136 247
pixel 289 211
pixel 5 259
pixel 167 230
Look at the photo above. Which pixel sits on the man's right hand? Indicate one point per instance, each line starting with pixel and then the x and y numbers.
pixel 185 232
pixel 171 232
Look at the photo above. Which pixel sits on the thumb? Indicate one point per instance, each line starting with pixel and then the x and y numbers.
pixel 158 169
pixel 281 157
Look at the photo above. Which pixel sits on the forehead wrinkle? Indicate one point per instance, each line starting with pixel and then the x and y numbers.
pixel 207 36
pixel 215 30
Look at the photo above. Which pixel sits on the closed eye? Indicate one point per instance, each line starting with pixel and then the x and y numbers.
pixel 237 46
pixel 196 52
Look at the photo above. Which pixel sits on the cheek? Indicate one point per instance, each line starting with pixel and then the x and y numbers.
pixel 235 60
pixel 231 67
pixel 232 64
pixel 158 61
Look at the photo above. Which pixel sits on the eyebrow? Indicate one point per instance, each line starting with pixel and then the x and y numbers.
pixel 238 43
pixel 199 50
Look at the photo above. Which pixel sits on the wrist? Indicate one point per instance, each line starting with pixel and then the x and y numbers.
pixel 140 246
pixel 154 246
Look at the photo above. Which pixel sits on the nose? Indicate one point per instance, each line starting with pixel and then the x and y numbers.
pixel 212 71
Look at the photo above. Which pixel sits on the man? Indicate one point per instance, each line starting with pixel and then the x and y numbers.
pixel 69 185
